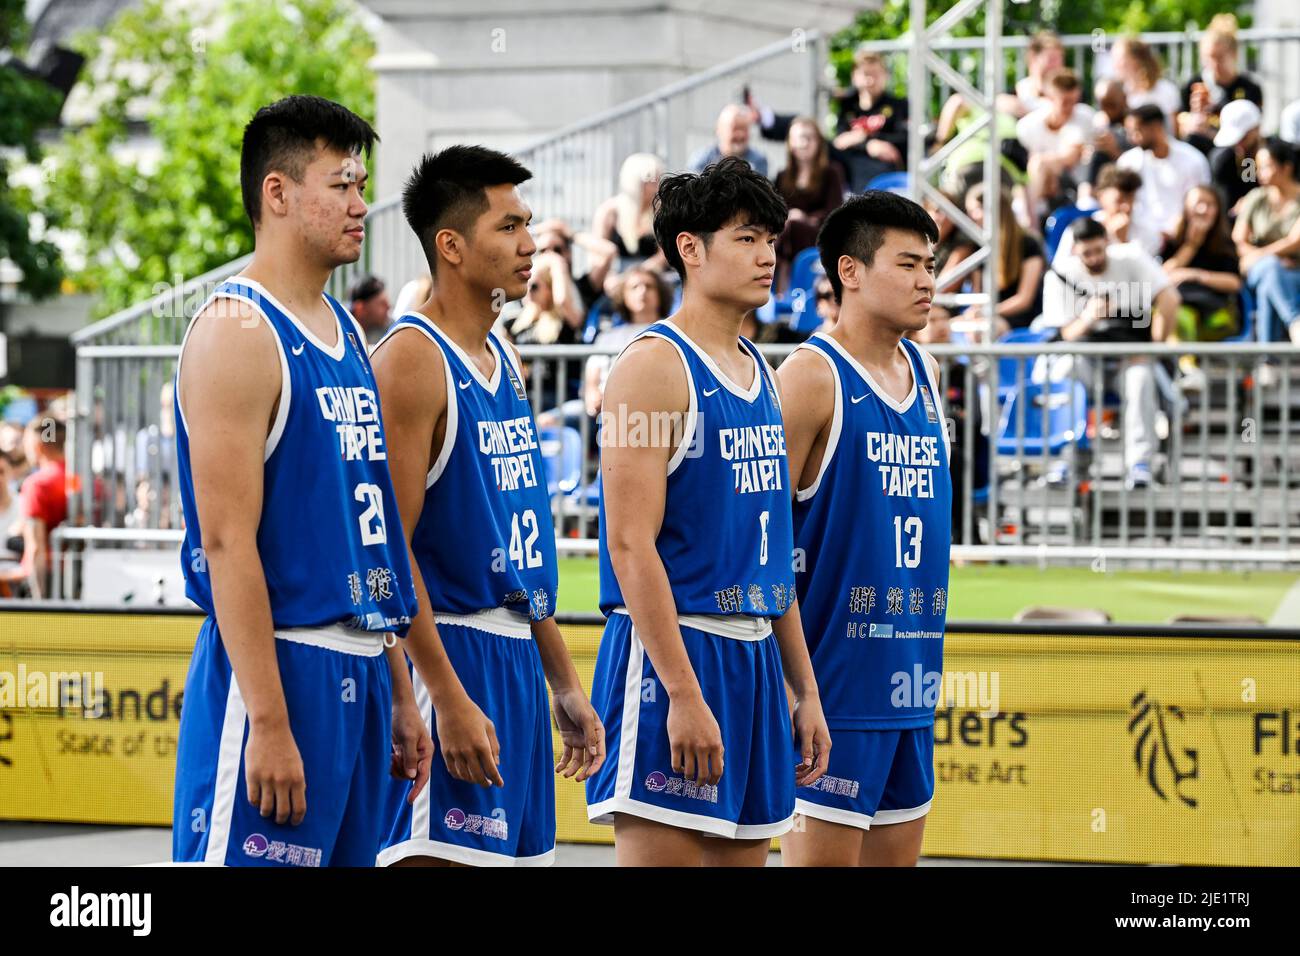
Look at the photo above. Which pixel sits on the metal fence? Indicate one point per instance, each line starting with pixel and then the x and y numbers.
pixel 1058 443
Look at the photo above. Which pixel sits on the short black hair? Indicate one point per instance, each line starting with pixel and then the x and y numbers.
pixel 1282 151
pixel 365 288
pixel 448 190
pixel 702 203
pixel 857 229
pixel 285 135
pixel 1147 113
pixel 1085 228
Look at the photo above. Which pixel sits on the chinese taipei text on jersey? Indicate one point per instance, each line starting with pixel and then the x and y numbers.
pixel 725 543
pixel 874 531
pixel 486 550
pixel 331 548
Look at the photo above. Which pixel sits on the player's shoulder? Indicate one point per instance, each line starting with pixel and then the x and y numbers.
pixel 649 371
pixel 806 368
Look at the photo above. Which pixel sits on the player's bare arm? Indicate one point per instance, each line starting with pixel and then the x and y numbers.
pixel 413 397
pixel 581 732
pixel 229 389
pixel 807 417
pixel 649 384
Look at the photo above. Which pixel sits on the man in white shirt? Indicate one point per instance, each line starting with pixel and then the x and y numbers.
pixel 1116 191
pixel 1169 167
pixel 1105 292
pixel 1057 137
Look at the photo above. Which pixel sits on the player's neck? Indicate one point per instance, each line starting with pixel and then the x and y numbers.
pixel 463 316
pixel 868 340
pixel 713 326
pixel 296 283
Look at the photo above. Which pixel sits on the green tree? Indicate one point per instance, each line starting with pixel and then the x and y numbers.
pixel 193 79
pixel 29 105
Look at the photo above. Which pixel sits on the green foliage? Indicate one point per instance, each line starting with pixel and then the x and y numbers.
pixel 194 79
pixel 29 105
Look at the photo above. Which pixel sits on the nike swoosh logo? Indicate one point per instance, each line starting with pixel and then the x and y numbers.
pixel 707 393
pixel 464 384
pixel 298 350
pixel 858 399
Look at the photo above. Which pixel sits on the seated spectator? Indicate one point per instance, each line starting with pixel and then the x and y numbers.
pixel 1232 161
pixel 552 313
pixel 44 495
pixel 1202 264
pixel 369 305
pixel 1044 56
pixel 828 310
pixel 1111 293
pixel 413 295
pixel 1169 168
pixel 1289 125
pixel 1057 136
pixel 732 140
pixel 1219 83
pixel 1021 264
pixel 812 188
pixel 1136 66
pixel 11 510
pixel 642 298
pixel 1109 140
pixel 950 237
pixel 554 236
pixel 627 220
pixel 965 165
pixel 871 129
pixel 1116 193
pixel 1267 235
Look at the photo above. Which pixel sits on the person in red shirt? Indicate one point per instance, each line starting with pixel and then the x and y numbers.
pixel 44 496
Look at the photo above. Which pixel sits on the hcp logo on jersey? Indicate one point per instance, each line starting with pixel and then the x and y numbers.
pixel 256 845
pixel 931 413
pixel 455 819
pixel 518 385
pixel 880 630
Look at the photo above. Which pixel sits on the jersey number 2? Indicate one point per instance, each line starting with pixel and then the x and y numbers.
pixel 522 552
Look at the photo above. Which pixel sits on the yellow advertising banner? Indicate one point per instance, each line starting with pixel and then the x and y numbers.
pixel 1047 747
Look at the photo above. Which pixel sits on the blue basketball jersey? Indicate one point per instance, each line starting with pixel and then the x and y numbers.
pixel 726 536
pixel 485 538
pixel 874 531
pixel 330 537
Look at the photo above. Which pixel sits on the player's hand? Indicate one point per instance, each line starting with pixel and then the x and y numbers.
pixel 277 784
pixel 581 732
pixel 695 739
pixel 469 743
pixel 813 738
pixel 412 748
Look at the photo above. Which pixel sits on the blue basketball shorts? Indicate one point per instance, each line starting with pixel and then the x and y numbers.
pixel 875 777
pixel 494 656
pixel 338 694
pixel 741 680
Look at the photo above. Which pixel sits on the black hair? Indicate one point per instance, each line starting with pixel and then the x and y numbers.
pixel 1086 228
pixel 365 288
pixel 1147 113
pixel 285 135
pixel 702 203
pixel 857 229
pixel 1283 152
pixel 448 190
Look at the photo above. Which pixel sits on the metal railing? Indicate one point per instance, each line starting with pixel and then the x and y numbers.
pixel 1225 458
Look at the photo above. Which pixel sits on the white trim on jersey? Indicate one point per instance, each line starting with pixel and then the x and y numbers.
pixel 494 620
pixel 229 752
pixel 863 821
pixel 453 409
pixel 837 425
pixel 934 395
pixel 899 407
pixel 286 382
pixel 739 627
pixel 335 352
pixel 509 353
pixel 692 406
pixel 491 384
pixel 336 637
pixel 747 394
pixel 886 817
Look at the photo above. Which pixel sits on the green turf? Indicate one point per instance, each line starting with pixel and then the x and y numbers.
pixel 997 592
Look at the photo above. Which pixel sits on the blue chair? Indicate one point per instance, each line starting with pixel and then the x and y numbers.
pixel 1009 366
pixel 1064 426
pixel 798 299
pixel 1057 223
pixel 599 309
pixel 890 182
pixel 562 457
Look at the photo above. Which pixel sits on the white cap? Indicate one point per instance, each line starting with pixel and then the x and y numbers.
pixel 1236 119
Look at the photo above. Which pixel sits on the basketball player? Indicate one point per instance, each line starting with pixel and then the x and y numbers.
pixel 471 488
pixel 293 545
pixel 872 518
pixel 695 549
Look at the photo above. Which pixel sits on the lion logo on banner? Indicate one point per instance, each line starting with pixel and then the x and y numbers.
pixel 1153 752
